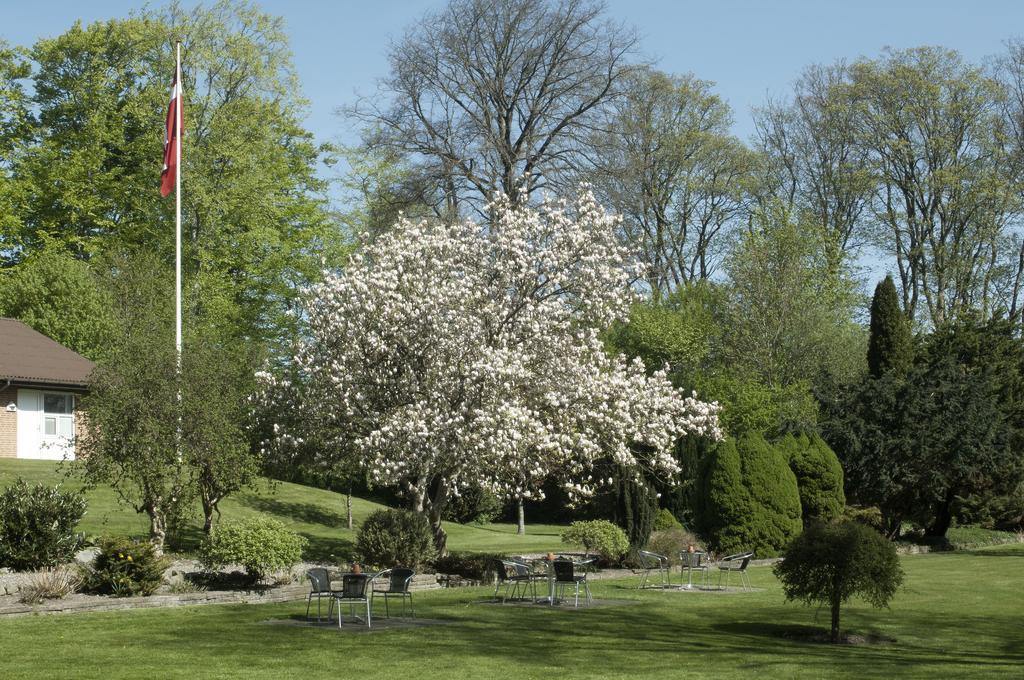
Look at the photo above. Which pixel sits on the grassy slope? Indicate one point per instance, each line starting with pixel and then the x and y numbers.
pixel 316 514
pixel 957 616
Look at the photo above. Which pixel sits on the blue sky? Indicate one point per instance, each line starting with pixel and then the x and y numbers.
pixel 749 48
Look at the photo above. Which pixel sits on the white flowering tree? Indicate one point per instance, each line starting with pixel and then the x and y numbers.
pixel 450 355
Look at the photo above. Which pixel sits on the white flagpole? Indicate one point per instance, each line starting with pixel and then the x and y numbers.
pixel 178 94
pixel 177 204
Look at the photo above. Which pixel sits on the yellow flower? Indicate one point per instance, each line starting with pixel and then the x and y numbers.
pixel 120 556
pixel 129 558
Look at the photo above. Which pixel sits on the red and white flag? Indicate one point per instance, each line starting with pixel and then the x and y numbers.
pixel 173 139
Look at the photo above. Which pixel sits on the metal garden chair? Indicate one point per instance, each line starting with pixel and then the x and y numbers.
pixel 517 578
pixel 649 561
pixel 320 587
pixel 735 564
pixel 355 589
pixel 398 582
pixel 566 575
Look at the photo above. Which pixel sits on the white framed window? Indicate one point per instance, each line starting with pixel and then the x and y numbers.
pixel 58 415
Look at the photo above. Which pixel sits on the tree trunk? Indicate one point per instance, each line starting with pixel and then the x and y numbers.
pixel 157 528
pixel 209 507
pixel 835 617
pixel 943 517
pixel 434 513
pixel 521 526
pixel 348 508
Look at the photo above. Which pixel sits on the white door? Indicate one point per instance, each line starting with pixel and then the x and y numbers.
pixel 30 423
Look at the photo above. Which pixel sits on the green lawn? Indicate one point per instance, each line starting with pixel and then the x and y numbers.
pixel 316 514
pixel 959 615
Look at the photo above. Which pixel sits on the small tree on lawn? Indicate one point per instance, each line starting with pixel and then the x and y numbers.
pixel 830 563
pixel 217 381
pixel 132 409
pixel 447 355
pixel 160 437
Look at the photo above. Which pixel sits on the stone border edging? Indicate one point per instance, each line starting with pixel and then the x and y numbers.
pixel 99 603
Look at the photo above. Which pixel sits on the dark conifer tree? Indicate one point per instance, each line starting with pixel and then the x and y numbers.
pixel 891 345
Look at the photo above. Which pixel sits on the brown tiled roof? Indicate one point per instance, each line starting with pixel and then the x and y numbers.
pixel 29 356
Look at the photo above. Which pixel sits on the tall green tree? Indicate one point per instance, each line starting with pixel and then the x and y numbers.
pixel 934 133
pixel 813 162
pixel 165 437
pixel 62 297
pixel 666 161
pixel 917 446
pixel 15 135
pixel 890 342
pixel 790 310
pixel 254 211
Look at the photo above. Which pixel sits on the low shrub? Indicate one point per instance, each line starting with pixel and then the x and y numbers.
pixel 671 542
pixel 960 538
pixel 600 536
pixel 869 516
pixel 261 545
pixel 393 538
pixel 830 563
pixel 124 567
pixel 476 566
pixel 51 584
pixel 665 521
pixel 37 525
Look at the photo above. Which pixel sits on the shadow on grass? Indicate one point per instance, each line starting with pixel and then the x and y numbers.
pixel 765 639
pixel 309 513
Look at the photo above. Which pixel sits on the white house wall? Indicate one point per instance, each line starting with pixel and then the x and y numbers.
pixel 32 443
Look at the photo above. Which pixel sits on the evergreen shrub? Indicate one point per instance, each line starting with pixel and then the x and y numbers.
pixel 819 476
pixel 665 521
pixel 125 567
pixel 748 498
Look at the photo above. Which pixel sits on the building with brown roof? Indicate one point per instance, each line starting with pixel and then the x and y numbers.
pixel 40 382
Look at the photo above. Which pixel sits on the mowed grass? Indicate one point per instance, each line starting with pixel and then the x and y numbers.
pixel 958 615
pixel 316 514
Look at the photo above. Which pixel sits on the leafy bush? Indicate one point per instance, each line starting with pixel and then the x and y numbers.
pixel 476 566
pixel 819 476
pixel 747 498
pixel 671 542
pixel 665 520
pixel 51 584
pixel 125 567
pixel 392 538
pixel 869 516
pixel 37 525
pixel 261 545
pixel 829 563
pixel 600 536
